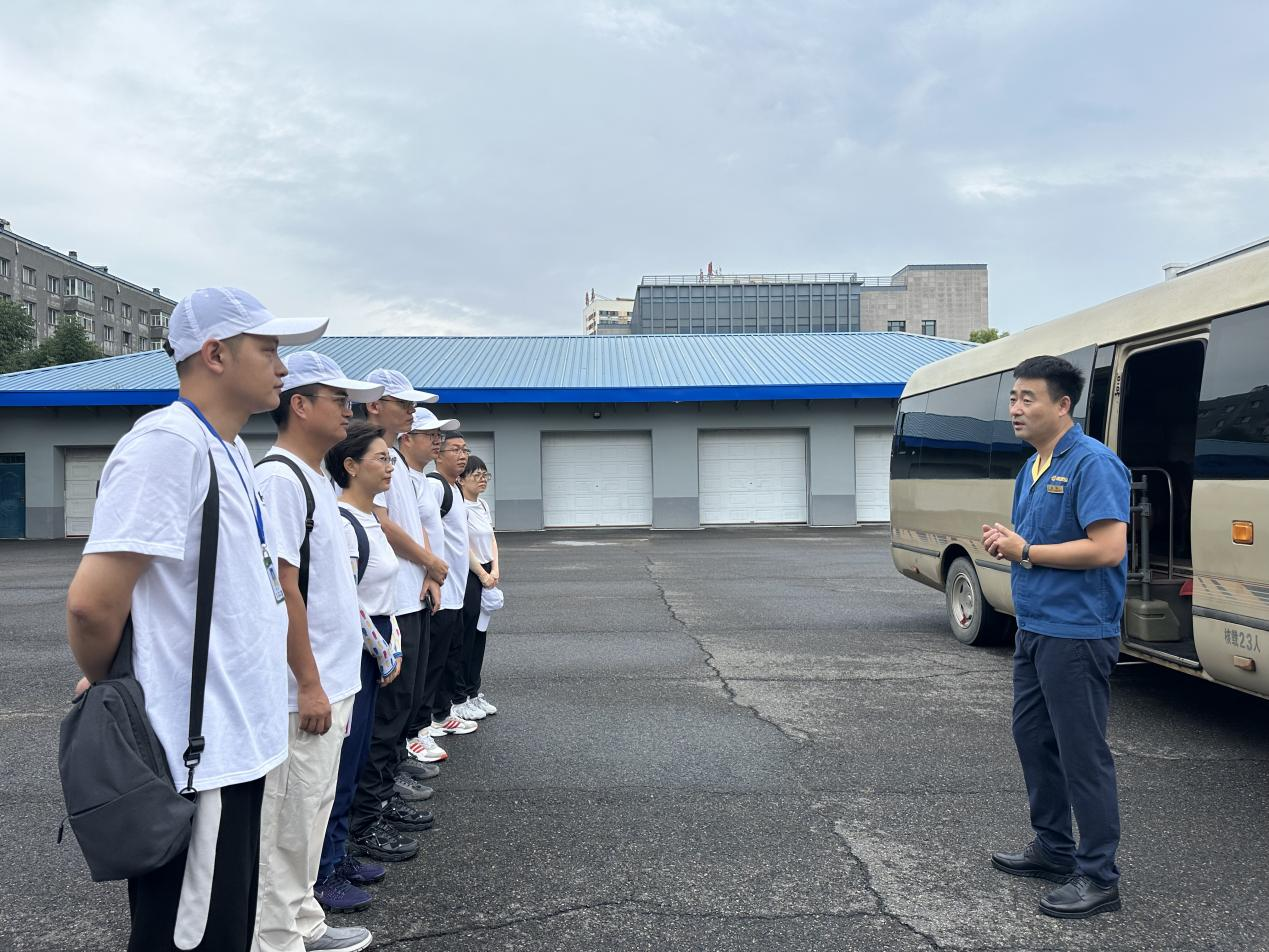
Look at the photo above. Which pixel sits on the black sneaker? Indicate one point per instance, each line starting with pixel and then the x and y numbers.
pixel 401 815
pixel 384 843
pixel 410 789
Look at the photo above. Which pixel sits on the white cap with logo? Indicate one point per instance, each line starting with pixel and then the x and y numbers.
pixel 425 420
pixel 395 384
pixel 307 367
pixel 222 313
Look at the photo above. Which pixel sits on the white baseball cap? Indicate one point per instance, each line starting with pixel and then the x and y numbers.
pixel 425 419
pixel 222 313
pixel 490 601
pixel 395 384
pixel 308 367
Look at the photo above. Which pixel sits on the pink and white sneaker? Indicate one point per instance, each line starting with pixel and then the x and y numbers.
pixel 451 725
pixel 425 749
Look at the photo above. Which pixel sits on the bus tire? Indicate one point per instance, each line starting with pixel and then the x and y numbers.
pixel 973 621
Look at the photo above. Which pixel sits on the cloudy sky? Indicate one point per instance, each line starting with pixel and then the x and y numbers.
pixel 474 167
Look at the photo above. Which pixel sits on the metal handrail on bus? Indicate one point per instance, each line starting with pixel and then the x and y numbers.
pixel 1145 543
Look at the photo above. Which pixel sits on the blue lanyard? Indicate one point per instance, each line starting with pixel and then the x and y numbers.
pixel 255 503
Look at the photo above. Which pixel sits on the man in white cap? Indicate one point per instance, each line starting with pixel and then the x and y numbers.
pixel 419 449
pixel 324 650
pixel 142 559
pixel 380 813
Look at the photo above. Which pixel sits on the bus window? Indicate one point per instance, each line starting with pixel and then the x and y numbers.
pixel 906 454
pixel 957 433
pixel 1083 360
pixel 1098 391
pixel 1233 412
pixel 1008 453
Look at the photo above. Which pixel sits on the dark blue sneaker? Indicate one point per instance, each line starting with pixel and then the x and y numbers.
pixel 360 872
pixel 337 894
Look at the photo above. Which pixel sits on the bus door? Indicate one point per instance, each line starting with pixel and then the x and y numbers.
pixel 1231 504
pixel 1155 406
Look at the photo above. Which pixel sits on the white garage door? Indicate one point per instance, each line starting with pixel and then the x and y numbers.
pixel 872 474
pixel 749 476
pixel 83 472
pixel 482 445
pixel 597 479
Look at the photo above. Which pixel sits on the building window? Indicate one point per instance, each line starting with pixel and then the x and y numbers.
pixel 28 308
pixel 126 311
pixel 88 323
pixel 929 328
pixel 51 317
pixel 107 333
pixel 53 284
pixel 28 276
pixel 4 267
pixel 5 297
pixel 127 340
pixel 108 305
pixel 896 326
pixel 77 287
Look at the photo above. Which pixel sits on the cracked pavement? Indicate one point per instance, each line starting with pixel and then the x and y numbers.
pixel 727 739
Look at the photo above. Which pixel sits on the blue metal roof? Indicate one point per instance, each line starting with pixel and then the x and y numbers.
pixel 634 369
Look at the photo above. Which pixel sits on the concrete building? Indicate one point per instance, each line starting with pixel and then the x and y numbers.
pixel 670 432
pixel 603 315
pixel 121 317
pixel 936 300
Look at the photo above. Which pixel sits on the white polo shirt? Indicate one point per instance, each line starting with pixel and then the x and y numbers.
pixel 430 514
pixel 454 530
pixel 151 502
pixel 402 504
pixel 376 588
pixel 334 620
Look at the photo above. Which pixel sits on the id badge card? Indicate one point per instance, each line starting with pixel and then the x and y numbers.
pixel 272 572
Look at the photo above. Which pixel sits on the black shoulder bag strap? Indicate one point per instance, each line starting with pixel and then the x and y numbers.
pixel 207 549
pixel 363 542
pixel 310 505
pixel 448 501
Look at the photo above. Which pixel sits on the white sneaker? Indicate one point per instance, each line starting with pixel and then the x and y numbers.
pixel 425 749
pixel 340 939
pixel 468 711
pixel 484 705
pixel 453 725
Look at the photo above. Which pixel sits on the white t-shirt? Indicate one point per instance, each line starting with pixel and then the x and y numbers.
pixel 150 501
pixel 376 586
pixel 454 529
pixel 402 504
pixel 334 624
pixel 429 513
pixel 480 530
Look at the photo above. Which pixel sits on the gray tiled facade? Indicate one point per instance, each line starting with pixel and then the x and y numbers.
pixel 121 317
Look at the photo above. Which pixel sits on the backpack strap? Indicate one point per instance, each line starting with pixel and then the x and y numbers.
pixel 363 542
pixel 310 505
pixel 208 547
pixel 448 501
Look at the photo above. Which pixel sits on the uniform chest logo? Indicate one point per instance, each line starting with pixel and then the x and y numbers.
pixel 1057 484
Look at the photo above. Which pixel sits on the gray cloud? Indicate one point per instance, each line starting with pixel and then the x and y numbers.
pixel 472 168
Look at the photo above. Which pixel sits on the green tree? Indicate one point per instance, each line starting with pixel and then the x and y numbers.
pixel 17 338
pixel 66 345
pixel 985 335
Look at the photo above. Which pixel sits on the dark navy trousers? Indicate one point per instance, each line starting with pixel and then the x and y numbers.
pixel 1061 703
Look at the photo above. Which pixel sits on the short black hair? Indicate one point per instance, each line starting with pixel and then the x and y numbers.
pixel 1061 376
pixel 474 465
pixel 448 435
pixel 282 412
pixel 353 446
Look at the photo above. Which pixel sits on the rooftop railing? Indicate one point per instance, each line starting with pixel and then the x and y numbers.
pixel 808 277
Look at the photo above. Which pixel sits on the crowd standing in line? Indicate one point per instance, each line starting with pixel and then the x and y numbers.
pixel 338 649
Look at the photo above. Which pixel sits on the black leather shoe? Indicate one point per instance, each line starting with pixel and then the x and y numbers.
pixel 1079 899
pixel 1032 862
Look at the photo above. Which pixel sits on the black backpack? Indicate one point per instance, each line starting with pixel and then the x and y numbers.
pixel 448 501
pixel 363 542
pixel 125 810
pixel 311 505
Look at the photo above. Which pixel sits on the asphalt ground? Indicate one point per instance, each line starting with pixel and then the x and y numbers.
pixel 725 739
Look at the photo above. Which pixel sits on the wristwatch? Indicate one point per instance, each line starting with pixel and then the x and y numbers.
pixel 1025 561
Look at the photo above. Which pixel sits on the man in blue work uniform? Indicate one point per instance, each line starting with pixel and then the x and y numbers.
pixel 1068 546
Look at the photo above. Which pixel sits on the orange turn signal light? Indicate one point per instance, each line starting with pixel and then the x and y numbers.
pixel 1244 532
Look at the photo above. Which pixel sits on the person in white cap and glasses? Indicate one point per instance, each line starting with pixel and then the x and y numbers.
pixel 419 449
pixel 142 559
pixel 379 811
pixel 324 649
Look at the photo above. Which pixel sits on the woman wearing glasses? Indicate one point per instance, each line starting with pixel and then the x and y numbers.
pixel 481 579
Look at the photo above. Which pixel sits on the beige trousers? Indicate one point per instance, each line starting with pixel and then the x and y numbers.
pixel 298 794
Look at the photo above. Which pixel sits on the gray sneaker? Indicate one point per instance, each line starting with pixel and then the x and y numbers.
pixel 408 788
pixel 340 939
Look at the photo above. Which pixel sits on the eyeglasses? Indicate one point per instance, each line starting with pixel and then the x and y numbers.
pixel 481 475
pixel 382 458
pixel 460 450
pixel 345 402
pixel 404 404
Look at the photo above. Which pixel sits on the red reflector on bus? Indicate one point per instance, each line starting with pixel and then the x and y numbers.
pixel 1187 588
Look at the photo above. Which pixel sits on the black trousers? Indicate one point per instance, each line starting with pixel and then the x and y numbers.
pixel 1061 703
pixel 473 637
pixel 447 626
pixel 153 899
pixel 393 707
pixel 420 714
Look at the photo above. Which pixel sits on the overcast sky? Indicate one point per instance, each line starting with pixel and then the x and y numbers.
pixel 474 167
